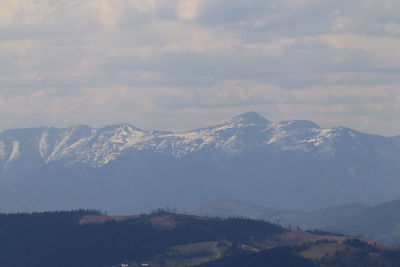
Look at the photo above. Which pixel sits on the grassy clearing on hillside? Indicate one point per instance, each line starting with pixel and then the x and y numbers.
pixel 190 254
pixel 319 251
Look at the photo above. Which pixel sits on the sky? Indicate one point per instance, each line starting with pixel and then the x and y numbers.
pixel 184 64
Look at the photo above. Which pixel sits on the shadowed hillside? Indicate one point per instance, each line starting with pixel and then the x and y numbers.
pixel 164 239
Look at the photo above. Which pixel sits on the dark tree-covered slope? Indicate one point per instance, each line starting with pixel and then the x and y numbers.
pixel 61 239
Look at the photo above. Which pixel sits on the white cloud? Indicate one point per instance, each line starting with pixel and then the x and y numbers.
pixel 148 61
pixel 341 24
pixel 188 9
pixel 145 6
pixel 392 28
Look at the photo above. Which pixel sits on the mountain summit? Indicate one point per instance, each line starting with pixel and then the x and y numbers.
pixel 250 118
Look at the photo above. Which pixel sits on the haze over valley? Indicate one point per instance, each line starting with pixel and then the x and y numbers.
pixel 202 133
pixel 294 165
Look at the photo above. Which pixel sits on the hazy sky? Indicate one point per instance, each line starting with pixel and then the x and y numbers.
pixel 181 64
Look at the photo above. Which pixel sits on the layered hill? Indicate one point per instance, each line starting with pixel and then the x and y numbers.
pixel 381 222
pixel 121 168
pixel 323 219
pixel 164 239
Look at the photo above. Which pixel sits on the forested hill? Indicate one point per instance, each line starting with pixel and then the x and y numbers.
pixel 89 238
pixel 64 239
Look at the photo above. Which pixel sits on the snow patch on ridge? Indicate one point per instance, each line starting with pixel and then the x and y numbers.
pixel 2 150
pixel 15 153
pixel 281 130
pixel 323 135
pixel 59 146
pixel 43 145
pixel 100 146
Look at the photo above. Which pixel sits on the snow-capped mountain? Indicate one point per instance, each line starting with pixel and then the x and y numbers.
pixel 97 147
pixel 252 151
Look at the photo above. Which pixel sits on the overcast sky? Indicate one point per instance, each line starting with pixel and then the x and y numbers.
pixel 182 64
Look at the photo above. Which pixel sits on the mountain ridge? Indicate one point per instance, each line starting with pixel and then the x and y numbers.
pixel 286 165
pixel 82 136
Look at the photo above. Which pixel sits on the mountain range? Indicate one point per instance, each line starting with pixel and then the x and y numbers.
pixel 120 168
pixel 380 222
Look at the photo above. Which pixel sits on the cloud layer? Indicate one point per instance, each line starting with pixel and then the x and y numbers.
pixel 179 64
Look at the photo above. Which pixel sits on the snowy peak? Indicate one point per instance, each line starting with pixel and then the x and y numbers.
pixel 250 118
pixel 120 127
pixel 99 146
pixel 243 133
pixel 301 125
